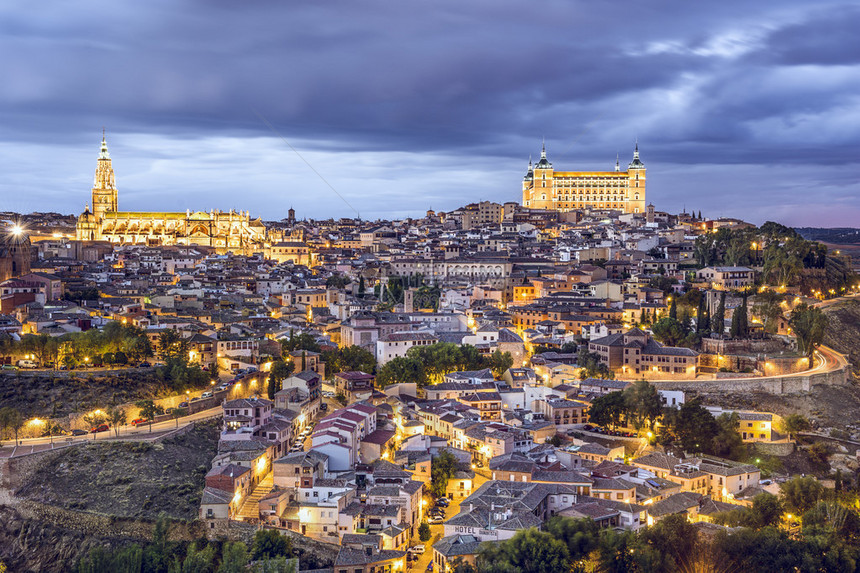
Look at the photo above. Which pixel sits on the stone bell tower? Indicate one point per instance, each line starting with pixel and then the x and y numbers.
pixel 104 187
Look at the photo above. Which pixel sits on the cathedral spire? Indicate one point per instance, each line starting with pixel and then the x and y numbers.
pixel 103 154
pixel 636 163
pixel 617 164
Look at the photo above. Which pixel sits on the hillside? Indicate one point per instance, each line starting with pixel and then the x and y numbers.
pixel 58 394
pixel 843 330
pixel 129 479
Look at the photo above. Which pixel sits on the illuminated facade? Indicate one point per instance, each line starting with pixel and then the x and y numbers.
pixel 225 231
pixel 545 188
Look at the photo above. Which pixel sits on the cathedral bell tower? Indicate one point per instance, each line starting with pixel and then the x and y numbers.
pixel 104 186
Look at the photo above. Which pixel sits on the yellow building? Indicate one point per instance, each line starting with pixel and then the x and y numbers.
pixel 225 231
pixel 545 188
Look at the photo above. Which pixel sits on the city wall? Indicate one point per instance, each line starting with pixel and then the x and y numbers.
pixel 793 384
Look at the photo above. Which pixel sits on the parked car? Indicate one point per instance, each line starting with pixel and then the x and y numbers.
pixel 442 501
pixel 139 421
pixel 222 387
pixel 78 432
pixel 206 395
pixel 183 404
pixel 587 427
pixel 8 367
pixel 100 428
pixel 416 549
pixel 197 398
pixel 143 364
pixel 27 364
pixel 324 407
pixel 435 520
pixel 479 464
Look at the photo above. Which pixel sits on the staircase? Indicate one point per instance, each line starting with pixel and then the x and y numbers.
pixel 251 508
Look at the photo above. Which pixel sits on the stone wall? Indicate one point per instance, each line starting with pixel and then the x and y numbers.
pixel 241 531
pixel 105 525
pixel 746 346
pixel 771 385
pixel 775 448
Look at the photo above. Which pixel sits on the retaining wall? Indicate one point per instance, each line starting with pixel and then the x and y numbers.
pixel 792 384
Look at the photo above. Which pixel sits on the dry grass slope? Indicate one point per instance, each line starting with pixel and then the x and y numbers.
pixel 129 479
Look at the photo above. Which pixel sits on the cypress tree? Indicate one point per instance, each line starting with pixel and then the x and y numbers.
pixel 700 315
pixel 744 327
pixel 719 318
pixel 734 329
pixel 673 309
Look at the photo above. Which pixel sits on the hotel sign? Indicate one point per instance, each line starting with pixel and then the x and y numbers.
pixel 476 531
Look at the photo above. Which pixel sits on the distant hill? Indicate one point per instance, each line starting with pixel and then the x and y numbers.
pixel 835 235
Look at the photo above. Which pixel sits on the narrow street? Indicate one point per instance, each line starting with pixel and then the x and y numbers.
pixel 438 531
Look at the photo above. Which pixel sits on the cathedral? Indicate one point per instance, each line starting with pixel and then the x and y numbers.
pixel 224 231
pixel 545 188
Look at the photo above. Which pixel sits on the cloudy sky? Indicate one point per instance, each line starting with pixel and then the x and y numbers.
pixel 746 109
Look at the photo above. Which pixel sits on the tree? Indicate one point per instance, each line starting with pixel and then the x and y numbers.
pixel 171 345
pixel 592 365
pixel 766 307
pixel 117 417
pixel 199 558
pixel 580 535
pixel 361 288
pixel 95 419
pixel 642 404
pixel 607 410
pixel 702 323
pixel 500 362
pixel 234 557
pixel 809 324
pixel 303 341
pixel 148 410
pixel 337 281
pixel 280 370
pixel 694 426
pixel 800 494
pixel 673 309
pixel 402 369
pixel 268 543
pixel 727 442
pixel 11 418
pixel 794 423
pixel 766 511
pixel 442 468
pixel 673 540
pixel 424 531
pixel 819 452
pixel 669 331
pixel 176 413
pixel 718 321
pixel 156 554
pixel 348 359
pixel 528 551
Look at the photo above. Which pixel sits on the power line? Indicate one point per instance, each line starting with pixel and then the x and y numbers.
pixel 296 151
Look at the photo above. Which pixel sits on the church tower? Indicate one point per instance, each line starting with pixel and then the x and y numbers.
pixel 104 186
pixel 636 184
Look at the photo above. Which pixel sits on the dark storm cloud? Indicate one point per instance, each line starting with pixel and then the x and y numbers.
pixel 403 104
